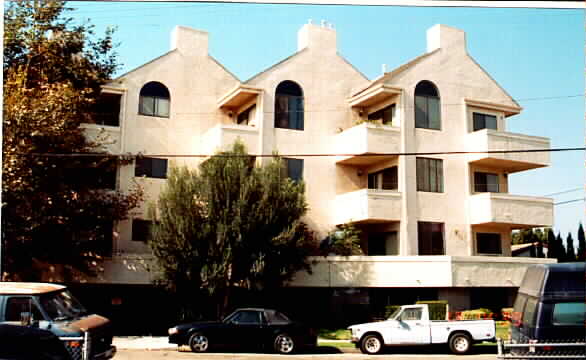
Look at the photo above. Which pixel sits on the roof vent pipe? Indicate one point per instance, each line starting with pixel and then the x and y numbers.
pixel 384 68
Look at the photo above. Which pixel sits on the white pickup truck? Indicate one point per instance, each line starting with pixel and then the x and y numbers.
pixel 410 325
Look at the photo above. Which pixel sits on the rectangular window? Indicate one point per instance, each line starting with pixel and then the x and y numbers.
pixel 293 169
pixel 486 182
pixel 430 176
pixel 151 167
pixel 141 230
pixel 487 243
pixel 569 314
pixel 483 121
pixel 289 112
pixel 386 115
pixel 106 110
pixel 427 112
pixel 386 179
pixel 430 237
pixel 17 306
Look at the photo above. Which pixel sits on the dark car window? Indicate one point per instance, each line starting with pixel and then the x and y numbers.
pixel 16 306
pixel 275 317
pixel 569 314
pixel 247 317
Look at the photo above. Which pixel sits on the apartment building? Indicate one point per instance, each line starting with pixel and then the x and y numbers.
pixel 412 163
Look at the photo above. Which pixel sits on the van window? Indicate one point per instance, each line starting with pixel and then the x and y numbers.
pixel 16 306
pixel 569 314
pixel 529 314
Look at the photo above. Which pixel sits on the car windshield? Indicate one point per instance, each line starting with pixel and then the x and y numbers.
pixel 395 313
pixel 61 305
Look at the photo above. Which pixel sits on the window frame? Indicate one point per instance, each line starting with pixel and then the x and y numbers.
pixel 482 117
pixel 485 236
pixel 425 232
pixel 142 170
pixel 287 169
pixel 376 180
pixel 142 227
pixel 483 185
pixel 284 97
pixel 425 104
pixel 429 174
pixel 160 94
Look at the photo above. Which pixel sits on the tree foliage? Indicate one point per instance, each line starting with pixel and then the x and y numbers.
pixel 230 224
pixel 344 241
pixel 570 252
pixel 53 206
pixel 560 248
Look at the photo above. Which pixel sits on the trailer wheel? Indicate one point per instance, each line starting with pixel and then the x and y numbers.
pixel 371 344
pixel 460 343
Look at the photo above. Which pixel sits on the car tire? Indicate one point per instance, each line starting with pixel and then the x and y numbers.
pixel 460 343
pixel 371 344
pixel 284 344
pixel 199 343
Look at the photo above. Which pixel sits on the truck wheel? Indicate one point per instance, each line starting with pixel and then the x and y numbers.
pixel 460 343
pixel 198 342
pixel 371 344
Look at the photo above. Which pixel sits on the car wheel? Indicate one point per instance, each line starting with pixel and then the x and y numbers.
pixel 198 342
pixel 284 344
pixel 460 343
pixel 371 344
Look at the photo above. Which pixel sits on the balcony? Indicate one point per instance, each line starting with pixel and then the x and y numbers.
pixel 491 140
pixel 361 140
pixel 368 206
pixel 415 271
pixel 513 210
pixel 107 136
pixel 221 137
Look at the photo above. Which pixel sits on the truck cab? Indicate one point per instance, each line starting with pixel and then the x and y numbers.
pixel 47 311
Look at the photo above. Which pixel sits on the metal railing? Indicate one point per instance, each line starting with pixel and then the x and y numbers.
pixel 541 350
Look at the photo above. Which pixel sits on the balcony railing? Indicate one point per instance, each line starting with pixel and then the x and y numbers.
pixel 524 155
pixel 221 137
pixel 415 271
pixel 364 139
pixel 513 210
pixel 368 206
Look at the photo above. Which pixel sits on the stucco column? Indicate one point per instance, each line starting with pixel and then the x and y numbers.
pixel 408 179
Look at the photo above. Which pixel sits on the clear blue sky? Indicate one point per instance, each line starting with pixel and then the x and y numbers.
pixel 532 53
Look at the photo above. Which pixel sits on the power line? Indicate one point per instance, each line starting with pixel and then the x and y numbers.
pixel 305 155
pixel 569 201
pixel 564 192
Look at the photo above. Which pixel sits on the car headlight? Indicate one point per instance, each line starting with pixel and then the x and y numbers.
pixel 173 331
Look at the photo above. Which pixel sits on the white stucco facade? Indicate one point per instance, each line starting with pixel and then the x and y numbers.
pixel 206 100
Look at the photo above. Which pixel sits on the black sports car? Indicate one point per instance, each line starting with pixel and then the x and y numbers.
pixel 246 328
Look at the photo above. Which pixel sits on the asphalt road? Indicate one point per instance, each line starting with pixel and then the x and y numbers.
pixel 322 353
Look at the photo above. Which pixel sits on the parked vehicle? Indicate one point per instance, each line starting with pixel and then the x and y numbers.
pixel 549 311
pixel 44 313
pixel 410 325
pixel 28 343
pixel 246 328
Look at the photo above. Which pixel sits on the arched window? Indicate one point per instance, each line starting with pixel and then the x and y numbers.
pixel 289 106
pixel 154 100
pixel 427 106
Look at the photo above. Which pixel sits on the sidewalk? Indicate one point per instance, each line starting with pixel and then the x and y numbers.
pixel 162 343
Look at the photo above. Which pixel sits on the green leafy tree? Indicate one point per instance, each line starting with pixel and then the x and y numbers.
pixel 570 253
pixel 230 224
pixel 581 256
pixel 54 208
pixel 560 248
pixel 344 240
pixel 552 245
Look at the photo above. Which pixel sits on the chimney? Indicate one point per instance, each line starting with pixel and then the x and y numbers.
pixel 189 41
pixel 446 37
pixel 320 38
